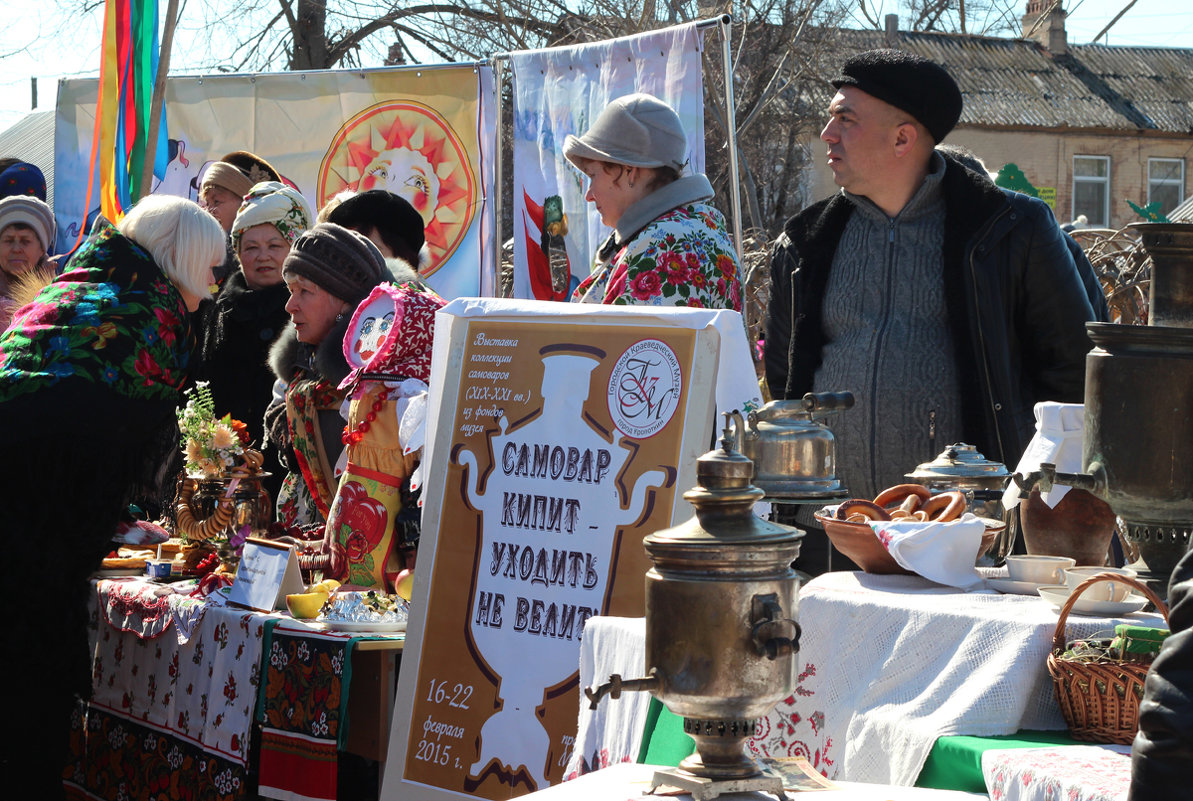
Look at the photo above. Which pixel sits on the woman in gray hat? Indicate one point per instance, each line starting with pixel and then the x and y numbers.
pixel 669 246
pixel 329 271
pixel 27 231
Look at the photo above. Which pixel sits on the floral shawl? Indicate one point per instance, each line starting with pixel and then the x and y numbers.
pixel 113 321
pixel 683 258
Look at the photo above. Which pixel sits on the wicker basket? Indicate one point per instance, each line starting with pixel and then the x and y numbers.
pixel 1099 699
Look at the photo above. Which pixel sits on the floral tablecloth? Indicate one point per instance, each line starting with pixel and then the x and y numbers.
pixel 303 709
pixel 174 683
pixel 1068 773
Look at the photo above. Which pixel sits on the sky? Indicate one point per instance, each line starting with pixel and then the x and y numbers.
pixel 34 42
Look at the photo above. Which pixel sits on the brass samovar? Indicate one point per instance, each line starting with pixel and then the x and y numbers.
pixel 1137 451
pixel 721 631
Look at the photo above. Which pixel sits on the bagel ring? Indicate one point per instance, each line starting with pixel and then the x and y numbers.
pixel 944 507
pixel 868 509
pixel 900 492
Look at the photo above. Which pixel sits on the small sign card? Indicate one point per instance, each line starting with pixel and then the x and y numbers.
pixel 268 572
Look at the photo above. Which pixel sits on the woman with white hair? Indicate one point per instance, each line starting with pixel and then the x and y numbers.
pixel 90 377
pixel 236 329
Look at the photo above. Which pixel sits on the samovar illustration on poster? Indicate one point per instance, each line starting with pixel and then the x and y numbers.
pixel 545 560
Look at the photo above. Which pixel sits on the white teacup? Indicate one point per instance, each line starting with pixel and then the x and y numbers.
pixel 1105 590
pixel 1038 569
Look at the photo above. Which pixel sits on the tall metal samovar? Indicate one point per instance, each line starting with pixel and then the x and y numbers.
pixel 721 631
pixel 1137 452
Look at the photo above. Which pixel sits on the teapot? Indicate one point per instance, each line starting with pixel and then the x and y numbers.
pixel 793 451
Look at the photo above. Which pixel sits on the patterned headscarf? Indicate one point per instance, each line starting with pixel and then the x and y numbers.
pixel 404 347
pixel 274 203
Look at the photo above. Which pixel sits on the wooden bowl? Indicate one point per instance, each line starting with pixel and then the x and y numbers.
pixel 859 542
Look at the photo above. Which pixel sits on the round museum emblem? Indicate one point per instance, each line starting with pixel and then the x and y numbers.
pixel 645 388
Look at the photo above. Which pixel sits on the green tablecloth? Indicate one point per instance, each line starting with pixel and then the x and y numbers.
pixel 954 763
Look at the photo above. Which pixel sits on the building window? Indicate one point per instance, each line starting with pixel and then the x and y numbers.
pixel 1166 183
pixel 1091 189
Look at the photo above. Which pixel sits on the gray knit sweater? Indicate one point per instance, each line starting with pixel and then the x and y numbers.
pixel 888 341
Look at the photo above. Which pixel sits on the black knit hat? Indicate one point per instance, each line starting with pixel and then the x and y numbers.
pixel 399 225
pixel 912 83
pixel 338 260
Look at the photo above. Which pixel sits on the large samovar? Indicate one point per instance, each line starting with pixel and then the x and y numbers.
pixel 721 631
pixel 1137 452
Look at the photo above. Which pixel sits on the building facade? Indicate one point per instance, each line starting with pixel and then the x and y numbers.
pixel 1091 126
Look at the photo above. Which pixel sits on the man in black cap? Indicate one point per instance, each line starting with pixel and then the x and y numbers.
pixel 947 306
pixel 388 220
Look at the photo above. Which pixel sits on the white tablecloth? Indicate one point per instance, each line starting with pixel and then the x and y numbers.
pixel 1068 773
pixel 887 665
pixel 631 782
pixel 891 663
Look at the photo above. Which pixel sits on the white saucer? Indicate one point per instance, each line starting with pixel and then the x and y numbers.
pixel 1014 587
pixel 1057 594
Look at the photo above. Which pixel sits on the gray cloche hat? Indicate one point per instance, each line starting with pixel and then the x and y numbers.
pixel 637 130
pixel 338 260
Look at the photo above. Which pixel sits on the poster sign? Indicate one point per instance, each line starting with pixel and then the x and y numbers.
pixel 267 573
pixel 563 436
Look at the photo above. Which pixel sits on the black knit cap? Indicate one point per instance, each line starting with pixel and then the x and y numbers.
pixel 396 221
pixel 338 260
pixel 912 83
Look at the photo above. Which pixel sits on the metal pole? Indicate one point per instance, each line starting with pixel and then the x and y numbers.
pixel 499 63
pixel 731 127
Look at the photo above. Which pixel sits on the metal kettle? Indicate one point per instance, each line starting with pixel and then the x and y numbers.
pixel 793 451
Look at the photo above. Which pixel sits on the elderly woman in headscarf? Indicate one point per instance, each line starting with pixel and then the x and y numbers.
pixel 238 327
pixel 669 245
pixel 222 190
pixel 27 231
pixel 91 373
pixel 329 271
pixel 373 527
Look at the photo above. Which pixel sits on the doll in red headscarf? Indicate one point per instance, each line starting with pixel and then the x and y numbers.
pixel 372 527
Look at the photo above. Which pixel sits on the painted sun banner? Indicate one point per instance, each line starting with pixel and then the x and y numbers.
pixel 425 133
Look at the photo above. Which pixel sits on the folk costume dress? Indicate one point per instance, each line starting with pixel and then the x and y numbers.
pixel 389 347
pixel 671 248
pixel 90 377
pixel 304 424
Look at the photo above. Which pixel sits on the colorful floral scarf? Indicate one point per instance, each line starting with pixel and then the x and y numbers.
pixel 305 398
pixel 114 321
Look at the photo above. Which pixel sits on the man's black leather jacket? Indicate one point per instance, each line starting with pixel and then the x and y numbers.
pixel 1018 305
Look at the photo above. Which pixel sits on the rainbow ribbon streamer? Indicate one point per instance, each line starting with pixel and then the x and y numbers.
pixel 126 77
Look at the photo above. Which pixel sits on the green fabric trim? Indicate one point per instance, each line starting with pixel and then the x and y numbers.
pixel 955 763
pixel 266 644
pixel 663 739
